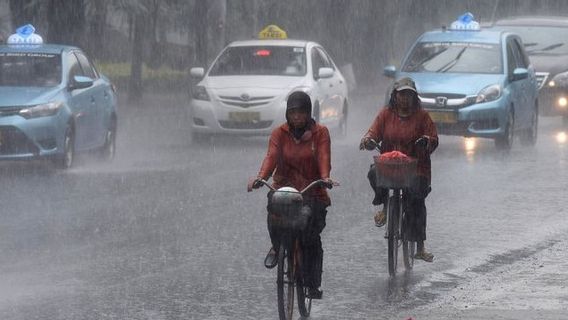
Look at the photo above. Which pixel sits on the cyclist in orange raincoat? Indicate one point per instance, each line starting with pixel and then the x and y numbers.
pixel 398 126
pixel 299 153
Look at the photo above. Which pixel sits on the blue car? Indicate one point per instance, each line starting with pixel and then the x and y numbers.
pixel 53 104
pixel 474 82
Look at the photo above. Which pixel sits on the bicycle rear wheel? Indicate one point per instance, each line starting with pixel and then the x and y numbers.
pixel 393 236
pixel 285 284
pixel 304 303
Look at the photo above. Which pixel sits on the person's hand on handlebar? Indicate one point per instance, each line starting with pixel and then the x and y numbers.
pixel 257 183
pixel 328 183
pixel 367 144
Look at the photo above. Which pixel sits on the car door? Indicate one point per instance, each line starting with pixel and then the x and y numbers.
pixel 81 103
pixel 515 87
pixel 100 95
pixel 528 85
pixel 326 106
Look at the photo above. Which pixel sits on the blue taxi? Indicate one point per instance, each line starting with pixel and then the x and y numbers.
pixel 53 102
pixel 474 82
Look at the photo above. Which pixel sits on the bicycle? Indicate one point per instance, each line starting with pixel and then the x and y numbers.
pixel 397 177
pixel 288 208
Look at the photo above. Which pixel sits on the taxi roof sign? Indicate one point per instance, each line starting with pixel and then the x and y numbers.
pixel 25 35
pixel 272 32
pixel 465 22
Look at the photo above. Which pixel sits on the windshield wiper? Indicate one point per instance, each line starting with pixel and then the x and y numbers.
pixel 452 63
pixel 547 48
pixel 414 67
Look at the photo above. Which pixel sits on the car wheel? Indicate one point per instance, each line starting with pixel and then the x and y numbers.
pixel 505 142
pixel 108 150
pixel 530 135
pixel 67 159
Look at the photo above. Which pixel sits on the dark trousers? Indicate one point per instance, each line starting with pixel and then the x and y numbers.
pixel 414 202
pixel 310 239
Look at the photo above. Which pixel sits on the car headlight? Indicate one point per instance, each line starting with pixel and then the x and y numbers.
pixel 41 110
pixel 200 93
pixel 559 80
pixel 489 93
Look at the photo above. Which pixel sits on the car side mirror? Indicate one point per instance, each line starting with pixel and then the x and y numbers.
pixel 389 71
pixel 197 73
pixel 519 74
pixel 80 82
pixel 324 73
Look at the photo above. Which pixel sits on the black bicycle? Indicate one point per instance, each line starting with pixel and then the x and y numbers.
pixel 396 176
pixel 288 214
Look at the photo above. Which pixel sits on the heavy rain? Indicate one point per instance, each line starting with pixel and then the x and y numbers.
pixel 160 224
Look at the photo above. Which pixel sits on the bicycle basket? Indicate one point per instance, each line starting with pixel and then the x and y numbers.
pixel 395 170
pixel 286 209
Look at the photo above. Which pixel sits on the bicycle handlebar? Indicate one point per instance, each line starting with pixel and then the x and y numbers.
pixel 319 182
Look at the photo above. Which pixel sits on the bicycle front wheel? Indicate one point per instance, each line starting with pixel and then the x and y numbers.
pixel 408 252
pixel 393 235
pixel 285 284
pixel 304 303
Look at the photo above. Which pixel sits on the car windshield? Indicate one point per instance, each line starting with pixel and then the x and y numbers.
pixel 543 40
pixel 261 60
pixel 454 57
pixel 30 69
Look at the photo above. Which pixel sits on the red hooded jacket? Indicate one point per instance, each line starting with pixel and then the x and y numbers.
pixel 297 163
pixel 400 133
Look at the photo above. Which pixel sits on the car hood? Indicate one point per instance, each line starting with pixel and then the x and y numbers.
pixel 243 82
pixel 25 96
pixel 467 84
pixel 552 64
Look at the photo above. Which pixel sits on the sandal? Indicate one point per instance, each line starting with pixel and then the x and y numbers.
pixel 423 255
pixel 380 218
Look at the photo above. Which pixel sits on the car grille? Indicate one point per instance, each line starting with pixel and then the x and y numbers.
pixel 245 101
pixel 541 78
pixel 9 111
pixel 14 141
pixel 446 100
pixel 245 125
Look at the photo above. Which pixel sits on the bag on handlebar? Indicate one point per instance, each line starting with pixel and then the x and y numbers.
pixel 395 170
pixel 286 211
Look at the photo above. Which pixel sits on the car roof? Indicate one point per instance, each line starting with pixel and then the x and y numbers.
pixel 483 36
pixel 542 21
pixel 42 48
pixel 275 42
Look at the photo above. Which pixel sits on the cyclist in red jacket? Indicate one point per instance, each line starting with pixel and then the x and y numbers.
pixel 398 126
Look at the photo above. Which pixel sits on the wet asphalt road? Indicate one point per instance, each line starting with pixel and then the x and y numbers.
pixel 167 231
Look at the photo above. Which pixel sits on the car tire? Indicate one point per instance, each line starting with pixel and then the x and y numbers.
pixel 530 135
pixel 108 150
pixel 342 129
pixel 505 142
pixel 67 159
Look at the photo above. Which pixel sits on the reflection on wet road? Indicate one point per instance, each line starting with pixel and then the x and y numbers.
pixel 168 231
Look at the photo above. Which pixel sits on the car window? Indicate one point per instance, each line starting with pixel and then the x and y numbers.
pixel 525 62
pixel 74 67
pixel 325 58
pixel 30 69
pixel 539 40
pixel 317 62
pixel 454 57
pixel 88 69
pixel 260 60
pixel 511 60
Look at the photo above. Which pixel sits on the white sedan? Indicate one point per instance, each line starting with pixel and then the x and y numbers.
pixel 245 89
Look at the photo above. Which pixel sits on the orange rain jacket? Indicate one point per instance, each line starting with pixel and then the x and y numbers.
pixel 297 163
pixel 400 133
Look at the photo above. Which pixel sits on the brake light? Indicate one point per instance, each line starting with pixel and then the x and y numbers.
pixel 263 53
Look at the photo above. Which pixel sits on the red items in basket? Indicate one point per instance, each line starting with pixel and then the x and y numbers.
pixel 395 169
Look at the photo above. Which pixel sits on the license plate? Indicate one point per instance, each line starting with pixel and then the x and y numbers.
pixel 244 116
pixel 443 117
